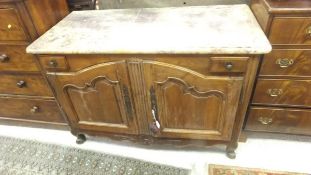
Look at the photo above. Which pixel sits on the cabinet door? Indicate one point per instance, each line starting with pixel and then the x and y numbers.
pixel 187 104
pixel 97 98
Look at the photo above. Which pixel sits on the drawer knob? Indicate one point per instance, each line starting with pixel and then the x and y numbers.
pixel 21 84
pixel 265 120
pixel 4 58
pixel 9 26
pixel 274 92
pixel 229 66
pixel 53 63
pixel 308 31
pixel 284 62
pixel 34 109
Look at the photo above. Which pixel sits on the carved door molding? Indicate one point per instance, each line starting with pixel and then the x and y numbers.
pixel 187 104
pixel 97 98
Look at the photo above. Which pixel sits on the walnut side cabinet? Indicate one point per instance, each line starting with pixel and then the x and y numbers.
pixel 186 87
pixel 146 97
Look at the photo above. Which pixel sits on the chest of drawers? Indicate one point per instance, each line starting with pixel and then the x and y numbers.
pixel 282 97
pixel 25 96
pixel 155 75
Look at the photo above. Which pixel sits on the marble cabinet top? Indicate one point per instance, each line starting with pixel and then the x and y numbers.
pixel 222 29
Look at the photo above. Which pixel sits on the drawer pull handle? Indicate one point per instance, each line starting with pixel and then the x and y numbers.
pixel 4 58
pixel 21 84
pixel 9 26
pixel 34 109
pixel 265 120
pixel 229 66
pixel 285 62
pixel 53 63
pixel 274 92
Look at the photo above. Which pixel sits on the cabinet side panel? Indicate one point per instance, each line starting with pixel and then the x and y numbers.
pixel 46 13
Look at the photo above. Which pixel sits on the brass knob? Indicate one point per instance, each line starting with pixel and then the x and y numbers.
pixel 53 63
pixel 265 120
pixel 9 26
pixel 4 58
pixel 274 92
pixel 308 31
pixel 34 109
pixel 229 66
pixel 284 62
pixel 21 84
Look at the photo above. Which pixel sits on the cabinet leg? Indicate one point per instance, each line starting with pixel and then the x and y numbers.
pixel 80 138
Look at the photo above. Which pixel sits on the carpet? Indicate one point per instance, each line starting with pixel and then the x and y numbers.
pixel 231 170
pixel 24 157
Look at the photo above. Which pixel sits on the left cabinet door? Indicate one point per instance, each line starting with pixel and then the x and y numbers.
pixel 97 98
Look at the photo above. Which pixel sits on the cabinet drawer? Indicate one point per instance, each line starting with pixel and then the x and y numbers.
pixel 14 58
pixel 11 28
pixel 30 109
pixel 287 63
pixel 291 30
pixel 292 121
pixel 201 64
pixel 24 85
pixel 228 64
pixel 283 92
pixel 54 63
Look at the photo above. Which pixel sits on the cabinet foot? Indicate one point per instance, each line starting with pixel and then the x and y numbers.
pixel 230 150
pixel 80 138
pixel 231 154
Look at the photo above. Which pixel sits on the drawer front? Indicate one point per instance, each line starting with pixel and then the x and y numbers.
pixel 30 109
pixel 291 30
pixel 11 28
pixel 283 92
pixel 33 85
pixel 287 63
pixel 54 63
pixel 201 64
pixel 228 64
pixel 14 58
pixel 292 121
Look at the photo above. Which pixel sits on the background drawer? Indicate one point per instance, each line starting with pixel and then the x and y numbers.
pixel 291 30
pixel 30 109
pixel 283 92
pixel 14 58
pixel 293 121
pixel 287 63
pixel 10 26
pixel 34 85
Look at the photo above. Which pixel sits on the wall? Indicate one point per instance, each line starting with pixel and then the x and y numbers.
pixel 119 4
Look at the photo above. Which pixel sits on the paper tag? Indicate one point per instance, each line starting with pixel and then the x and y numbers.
pixel 158 124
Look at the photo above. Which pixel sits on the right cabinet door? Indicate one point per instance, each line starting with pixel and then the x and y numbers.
pixel 186 104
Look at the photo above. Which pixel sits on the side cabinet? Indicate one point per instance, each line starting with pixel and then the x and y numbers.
pixel 153 98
